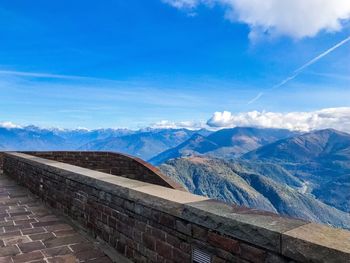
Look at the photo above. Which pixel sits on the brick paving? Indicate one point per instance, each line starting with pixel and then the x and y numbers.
pixel 29 232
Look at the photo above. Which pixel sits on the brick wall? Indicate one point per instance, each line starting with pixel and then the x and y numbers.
pixel 151 223
pixel 1 160
pixel 112 163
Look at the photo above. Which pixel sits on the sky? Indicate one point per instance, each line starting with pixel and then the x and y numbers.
pixel 175 63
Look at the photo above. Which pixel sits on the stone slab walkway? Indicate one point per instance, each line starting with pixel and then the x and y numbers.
pixel 29 232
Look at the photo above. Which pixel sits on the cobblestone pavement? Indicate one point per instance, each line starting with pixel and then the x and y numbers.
pixel 29 232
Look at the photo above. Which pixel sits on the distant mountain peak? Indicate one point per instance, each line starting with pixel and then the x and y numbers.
pixel 225 143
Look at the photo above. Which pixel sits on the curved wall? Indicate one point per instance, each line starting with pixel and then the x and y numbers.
pixel 112 163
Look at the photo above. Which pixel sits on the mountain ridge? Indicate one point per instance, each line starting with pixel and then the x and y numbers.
pixel 225 143
pixel 222 180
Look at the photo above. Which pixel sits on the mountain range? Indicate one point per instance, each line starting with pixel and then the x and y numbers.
pixel 225 143
pixel 144 143
pixel 321 159
pixel 304 175
pixel 233 182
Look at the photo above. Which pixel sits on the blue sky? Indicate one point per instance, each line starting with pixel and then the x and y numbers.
pixel 134 63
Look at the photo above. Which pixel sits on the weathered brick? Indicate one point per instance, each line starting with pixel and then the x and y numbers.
pixel 200 233
pixel 148 241
pixel 217 259
pixel 222 242
pixel 253 254
pixel 184 227
pixel 164 249
pixel 159 234
pixel 180 256
pixel 167 220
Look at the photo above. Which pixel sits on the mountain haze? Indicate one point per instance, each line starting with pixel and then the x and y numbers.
pixel 144 144
pixel 225 143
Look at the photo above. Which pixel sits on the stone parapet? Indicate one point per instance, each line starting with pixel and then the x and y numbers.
pixel 153 223
pixel 112 163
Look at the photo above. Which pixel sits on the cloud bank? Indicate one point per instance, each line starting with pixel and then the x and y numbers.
pixel 190 125
pixel 336 118
pixel 294 18
pixel 9 125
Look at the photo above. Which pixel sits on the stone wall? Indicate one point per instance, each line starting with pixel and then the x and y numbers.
pixel 1 160
pixel 112 163
pixel 151 223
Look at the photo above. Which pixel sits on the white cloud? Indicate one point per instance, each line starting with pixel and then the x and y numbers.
pixel 182 3
pixel 336 118
pixel 165 124
pixel 9 125
pixel 294 18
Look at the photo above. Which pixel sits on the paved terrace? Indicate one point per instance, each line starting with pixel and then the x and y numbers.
pixel 30 232
pixel 125 206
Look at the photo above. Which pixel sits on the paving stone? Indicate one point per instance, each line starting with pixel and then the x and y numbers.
pixel 42 236
pixel 31 246
pixel 61 241
pixel 26 257
pixel 9 251
pixel 47 218
pixel 5 259
pixel 82 247
pixel 63 259
pixel 24 221
pixel 20 213
pixel 63 233
pixel 101 260
pixel 6 223
pixel 22 217
pixel 33 230
pixel 17 227
pixel 46 223
pixel 13 240
pixel 89 254
pixel 56 251
pixel 10 233
pixel 58 227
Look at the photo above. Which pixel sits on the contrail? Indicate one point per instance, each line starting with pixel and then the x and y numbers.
pixel 300 69
pixel 52 76
pixel 313 61
pixel 38 75
pixel 256 98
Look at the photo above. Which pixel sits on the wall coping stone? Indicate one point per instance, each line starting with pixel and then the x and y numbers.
pixel 258 227
pixel 293 238
pixel 312 241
